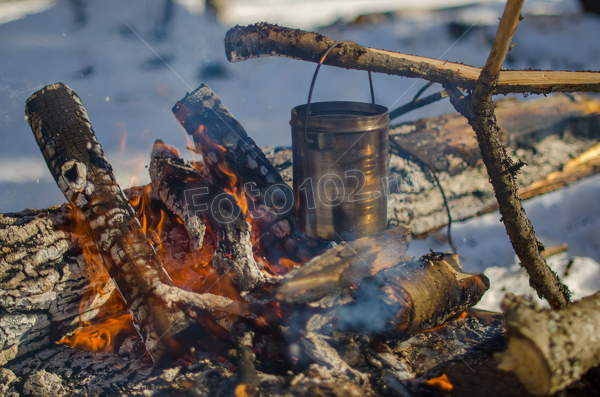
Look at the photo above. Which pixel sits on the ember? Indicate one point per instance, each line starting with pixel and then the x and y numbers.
pixel 441 382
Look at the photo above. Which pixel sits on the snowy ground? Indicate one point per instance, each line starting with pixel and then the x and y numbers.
pixel 129 67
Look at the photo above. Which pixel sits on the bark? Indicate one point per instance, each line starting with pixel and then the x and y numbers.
pixel 164 156
pixel 413 296
pixel 388 289
pixel 43 280
pixel 76 160
pixel 192 196
pixel 478 109
pixel 549 350
pixel 263 39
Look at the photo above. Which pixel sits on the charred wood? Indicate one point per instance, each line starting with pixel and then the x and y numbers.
pixel 370 286
pixel 346 264
pixel 406 298
pixel 192 196
pixel 232 158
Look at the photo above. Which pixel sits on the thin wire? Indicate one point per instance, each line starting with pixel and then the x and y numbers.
pixel 422 90
pixel 371 87
pixel 419 103
pixel 312 86
pixel 413 156
pixel 159 57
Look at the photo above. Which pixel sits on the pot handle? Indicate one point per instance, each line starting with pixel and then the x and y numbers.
pixel 312 86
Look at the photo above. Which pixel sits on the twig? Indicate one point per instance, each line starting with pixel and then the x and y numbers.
pixel 417 103
pixel 422 90
pixel 478 108
pixel 508 24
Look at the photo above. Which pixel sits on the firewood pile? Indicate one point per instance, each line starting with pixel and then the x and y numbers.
pixel 200 284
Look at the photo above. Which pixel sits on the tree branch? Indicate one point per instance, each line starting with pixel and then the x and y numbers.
pixel 478 108
pixel 506 29
pixel 262 40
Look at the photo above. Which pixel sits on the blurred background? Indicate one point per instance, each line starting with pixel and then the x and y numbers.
pixel 130 61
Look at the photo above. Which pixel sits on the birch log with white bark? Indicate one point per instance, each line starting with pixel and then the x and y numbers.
pixel 550 349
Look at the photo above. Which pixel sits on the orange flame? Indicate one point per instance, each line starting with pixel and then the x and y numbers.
pixel 441 383
pixel 288 264
pixel 100 337
pixel 235 187
pixel 434 329
pixel 237 190
pixel 244 390
pixel 591 107
pixel 188 267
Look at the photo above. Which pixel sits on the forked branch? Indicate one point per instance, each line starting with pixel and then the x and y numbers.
pixel 478 108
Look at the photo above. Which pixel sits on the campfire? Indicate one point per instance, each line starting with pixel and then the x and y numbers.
pixel 203 264
pixel 205 283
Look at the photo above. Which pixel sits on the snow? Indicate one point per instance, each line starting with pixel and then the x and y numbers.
pixel 569 216
pixel 130 70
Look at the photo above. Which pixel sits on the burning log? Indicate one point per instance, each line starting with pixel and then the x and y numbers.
pixel 192 196
pixel 231 158
pixel 346 264
pixel 371 287
pixel 263 39
pixel 162 313
pixel 43 279
pixel 388 290
pixel 548 350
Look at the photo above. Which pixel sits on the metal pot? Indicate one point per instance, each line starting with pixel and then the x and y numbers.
pixel 340 169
